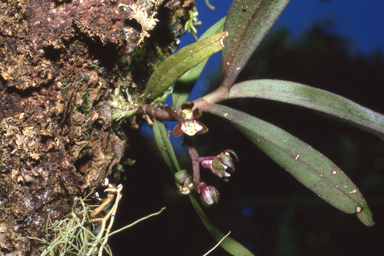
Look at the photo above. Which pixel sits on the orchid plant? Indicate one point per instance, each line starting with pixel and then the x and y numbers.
pixel 238 35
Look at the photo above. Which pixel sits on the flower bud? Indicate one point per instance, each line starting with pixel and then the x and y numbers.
pixel 221 163
pixel 216 167
pixel 184 182
pixel 226 159
pixel 208 194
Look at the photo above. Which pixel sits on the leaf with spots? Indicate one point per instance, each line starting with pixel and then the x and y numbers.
pixel 248 22
pixel 312 98
pixel 186 82
pixel 307 165
pixel 177 64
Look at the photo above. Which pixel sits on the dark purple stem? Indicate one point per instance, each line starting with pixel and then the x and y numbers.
pixel 195 160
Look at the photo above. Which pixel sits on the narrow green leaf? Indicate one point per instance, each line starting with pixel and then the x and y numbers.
pixel 228 244
pixel 184 85
pixel 312 98
pixel 248 22
pixel 214 29
pixel 177 64
pixel 165 146
pixel 307 165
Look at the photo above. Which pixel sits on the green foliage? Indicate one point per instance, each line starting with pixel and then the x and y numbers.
pixel 165 146
pixel 248 22
pixel 185 83
pixel 182 61
pixel 306 164
pixel 312 98
pixel 192 23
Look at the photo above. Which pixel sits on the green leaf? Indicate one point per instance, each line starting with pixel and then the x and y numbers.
pixel 312 98
pixel 184 85
pixel 307 165
pixel 177 64
pixel 214 29
pixel 248 22
pixel 228 244
pixel 165 146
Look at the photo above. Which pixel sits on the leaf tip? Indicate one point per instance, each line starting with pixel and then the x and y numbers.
pixel 365 216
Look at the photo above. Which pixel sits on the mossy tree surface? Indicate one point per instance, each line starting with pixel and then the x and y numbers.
pixel 59 63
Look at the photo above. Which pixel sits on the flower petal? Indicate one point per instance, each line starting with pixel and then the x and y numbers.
pixel 197 113
pixel 177 130
pixel 191 127
pixel 187 105
pixel 204 128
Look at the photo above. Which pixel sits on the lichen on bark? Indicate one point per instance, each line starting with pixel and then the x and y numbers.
pixel 59 63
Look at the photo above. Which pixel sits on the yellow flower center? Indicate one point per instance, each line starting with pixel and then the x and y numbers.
pixel 188 113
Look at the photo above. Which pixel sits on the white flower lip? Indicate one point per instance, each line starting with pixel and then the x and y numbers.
pixel 191 128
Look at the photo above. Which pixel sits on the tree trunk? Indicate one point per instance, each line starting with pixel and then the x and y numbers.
pixel 60 61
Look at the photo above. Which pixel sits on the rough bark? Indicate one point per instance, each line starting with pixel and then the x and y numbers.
pixel 59 63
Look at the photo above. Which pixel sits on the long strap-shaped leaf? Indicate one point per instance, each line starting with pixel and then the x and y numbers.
pixel 307 165
pixel 165 146
pixel 228 244
pixel 177 64
pixel 248 22
pixel 184 85
pixel 312 98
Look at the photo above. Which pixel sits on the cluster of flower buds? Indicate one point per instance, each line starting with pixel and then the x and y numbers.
pixel 187 123
pixel 221 163
pixel 208 194
pixel 184 182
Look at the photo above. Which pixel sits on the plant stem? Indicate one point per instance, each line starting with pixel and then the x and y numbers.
pixel 160 114
pixel 195 159
pixel 220 94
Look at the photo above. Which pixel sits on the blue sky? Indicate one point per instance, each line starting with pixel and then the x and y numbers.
pixel 362 21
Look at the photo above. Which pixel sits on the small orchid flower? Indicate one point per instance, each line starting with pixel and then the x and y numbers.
pixel 208 194
pixel 221 163
pixel 184 182
pixel 187 123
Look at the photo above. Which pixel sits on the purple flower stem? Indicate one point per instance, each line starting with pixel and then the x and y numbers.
pixel 195 160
